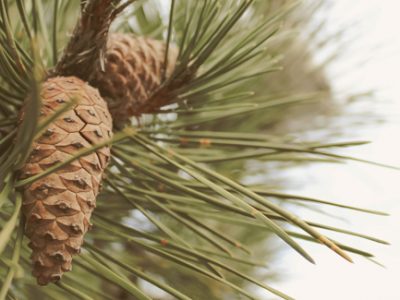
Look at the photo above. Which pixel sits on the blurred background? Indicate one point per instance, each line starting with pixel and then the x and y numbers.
pixel 364 59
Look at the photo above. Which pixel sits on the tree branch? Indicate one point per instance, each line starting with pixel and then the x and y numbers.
pixel 87 45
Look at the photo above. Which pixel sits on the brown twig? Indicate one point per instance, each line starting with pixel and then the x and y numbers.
pixel 85 50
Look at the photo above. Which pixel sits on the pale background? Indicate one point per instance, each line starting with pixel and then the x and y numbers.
pixel 371 60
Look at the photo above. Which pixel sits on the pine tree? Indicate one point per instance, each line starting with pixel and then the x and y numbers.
pixel 166 211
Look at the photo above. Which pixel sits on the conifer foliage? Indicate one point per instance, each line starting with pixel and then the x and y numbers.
pixel 163 203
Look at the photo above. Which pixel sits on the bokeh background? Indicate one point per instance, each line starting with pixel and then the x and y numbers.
pixel 367 64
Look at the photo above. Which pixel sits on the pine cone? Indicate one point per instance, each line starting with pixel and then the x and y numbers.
pixel 133 70
pixel 58 207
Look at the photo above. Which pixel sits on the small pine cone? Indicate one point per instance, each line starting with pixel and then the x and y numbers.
pixel 133 71
pixel 58 206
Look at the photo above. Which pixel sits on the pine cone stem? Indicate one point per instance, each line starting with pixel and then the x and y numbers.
pixel 86 47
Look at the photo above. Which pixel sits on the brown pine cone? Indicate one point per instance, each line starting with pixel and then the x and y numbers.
pixel 58 207
pixel 133 70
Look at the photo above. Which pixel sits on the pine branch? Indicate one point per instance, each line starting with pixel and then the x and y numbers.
pixel 85 50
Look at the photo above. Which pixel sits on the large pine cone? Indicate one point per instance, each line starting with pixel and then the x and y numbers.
pixel 58 207
pixel 133 70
